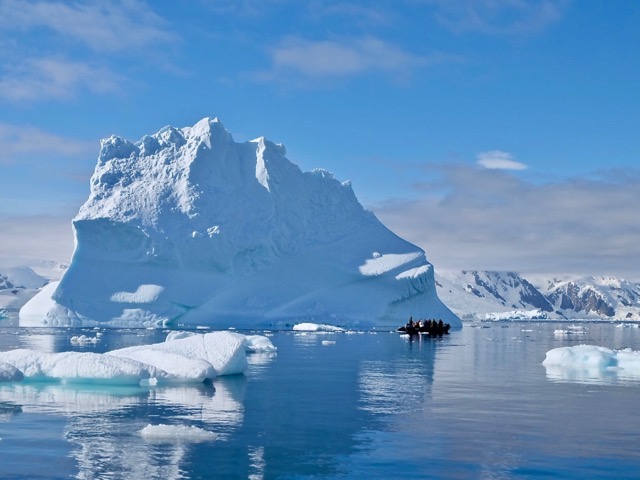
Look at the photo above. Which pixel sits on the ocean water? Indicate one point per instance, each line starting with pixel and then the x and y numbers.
pixel 473 404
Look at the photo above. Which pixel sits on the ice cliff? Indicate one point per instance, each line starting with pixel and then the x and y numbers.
pixel 189 227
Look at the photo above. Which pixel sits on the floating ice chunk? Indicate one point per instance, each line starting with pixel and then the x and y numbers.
pixel 589 362
pixel 329 342
pixel 562 333
pixel 173 367
pixel 77 367
pixel 9 373
pixel 315 327
pixel 183 358
pixel 581 357
pixel 629 361
pixel 177 433
pixel 258 344
pixel 83 340
pixel 225 351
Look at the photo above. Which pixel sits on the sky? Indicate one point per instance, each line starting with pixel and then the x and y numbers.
pixel 494 134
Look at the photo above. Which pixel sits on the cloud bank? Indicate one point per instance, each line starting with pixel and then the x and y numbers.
pixel 26 240
pixel 477 218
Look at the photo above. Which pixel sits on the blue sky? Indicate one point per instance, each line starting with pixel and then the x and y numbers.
pixel 495 134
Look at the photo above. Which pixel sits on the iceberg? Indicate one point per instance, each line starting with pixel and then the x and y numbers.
pixel 188 227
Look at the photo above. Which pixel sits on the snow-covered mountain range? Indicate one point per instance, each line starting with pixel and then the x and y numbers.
pixel 17 286
pixel 188 226
pixel 478 295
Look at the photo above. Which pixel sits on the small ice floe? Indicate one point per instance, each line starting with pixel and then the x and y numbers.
pixel 76 367
pixel 591 362
pixel 571 330
pixel 316 327
pixel 258 344
pixel 176 433
pixel 328 342
pixel 83 340
pixel 187 359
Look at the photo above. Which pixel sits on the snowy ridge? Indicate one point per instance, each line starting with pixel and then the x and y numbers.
pixel 18 284
pixel 508 295
pixel 188 226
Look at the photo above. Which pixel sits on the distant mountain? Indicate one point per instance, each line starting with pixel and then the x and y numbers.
pixel 17 286
pixel 20 277
pixel 497 295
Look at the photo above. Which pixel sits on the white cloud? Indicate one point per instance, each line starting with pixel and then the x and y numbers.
pixel 497 17
pixel 20 142
pixel 492 220
pixel 496 159
pixel 58 49
pixel 44 78
pixel 333 59
pixel 103 26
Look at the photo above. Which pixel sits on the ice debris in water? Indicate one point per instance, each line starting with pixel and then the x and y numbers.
pixel 83 340
pixel 180 359
pixel 315 327
pixel 177 433
pixel 584 362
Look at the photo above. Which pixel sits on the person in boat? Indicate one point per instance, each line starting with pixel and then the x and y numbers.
pixel 410 324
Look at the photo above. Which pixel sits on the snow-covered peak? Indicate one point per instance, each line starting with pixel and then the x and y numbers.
pixel 476 294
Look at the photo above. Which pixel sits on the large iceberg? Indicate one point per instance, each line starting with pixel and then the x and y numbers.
pixel 189 227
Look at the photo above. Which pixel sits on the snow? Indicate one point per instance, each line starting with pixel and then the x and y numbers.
pixel 18 284
pixel 176 433
pixel 379 264
pixel 590 361
pixel 187 225
pixel 179 360
pixel 20 277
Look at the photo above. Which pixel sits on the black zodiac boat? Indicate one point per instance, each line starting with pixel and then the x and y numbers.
pixel 430 327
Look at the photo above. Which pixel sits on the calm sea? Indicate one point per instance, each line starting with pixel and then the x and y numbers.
pixel 474 404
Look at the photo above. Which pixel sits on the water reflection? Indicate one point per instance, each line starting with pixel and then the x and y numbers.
pixel 399 385
pixel 297 414
pixel 103 424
